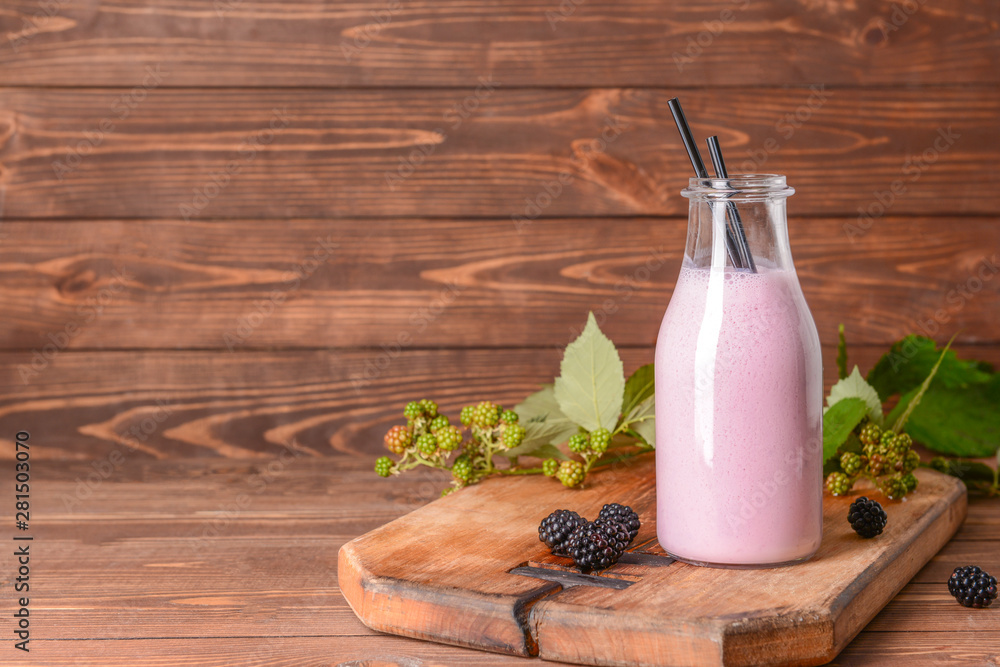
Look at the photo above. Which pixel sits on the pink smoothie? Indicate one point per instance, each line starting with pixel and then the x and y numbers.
pixel 738 420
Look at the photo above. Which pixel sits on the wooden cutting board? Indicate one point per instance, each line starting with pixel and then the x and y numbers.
pixel 468 569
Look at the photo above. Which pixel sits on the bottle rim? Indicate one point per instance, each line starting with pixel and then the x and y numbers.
pixel 738 186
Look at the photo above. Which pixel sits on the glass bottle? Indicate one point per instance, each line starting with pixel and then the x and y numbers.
pixel 739 387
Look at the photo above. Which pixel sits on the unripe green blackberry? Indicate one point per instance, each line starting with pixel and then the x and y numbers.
pixel 888 442
pixel 462 469
pixel 413 410
pixel 550 467
pixel 838 484
pixel 397 439
pixel 599 440
pixel 427 444
pixel 876 464
pixel 911 462
pixel 486 415
pixel 870 434
pixel 570 473
pixel 449 438
pixel 508 417
pixel 903 442
pixel 429 407
pixel 512 436
pixel 438 423
pixel 383 466
pixel 578 443
pixel 892 488
pixel 851 463
pixel 466 415
pixel 910 482
pixel 941 464
pixel 894 462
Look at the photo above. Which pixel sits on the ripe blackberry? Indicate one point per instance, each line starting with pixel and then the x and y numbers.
pixel 591 548
pixel 427 444
pixel 513 434
pixel 438 423
pixel 599 440
pixel 383 466
pixel 838 484
pixel 570 473
pixel 550 467
pixel 413 410
pixel 851 463
pixel 466 415
pixel 449 438
pixel 624 515
pixel 397 439
pixel 866 517
pixel 578 443
pixel 556 528
pixel 972 587
pixel 870 434
pixel 617 533
pixel 508 417
pixel 486 414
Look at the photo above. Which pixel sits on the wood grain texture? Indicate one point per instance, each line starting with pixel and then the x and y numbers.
pixel 225 153
pixel 124 577
pixel 160 405
pixel 676 614
pixel 451 43
pixel 246 285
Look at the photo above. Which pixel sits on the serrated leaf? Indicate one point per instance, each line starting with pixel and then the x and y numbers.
pixel 838 422
pixel 541 417
pixel 962 421
pixel 855 386
pixel 591 381
pixel 647 429
pixel 638 388
pixel 900 421
pixel 542 450
pixel 909 362
pixel 841 353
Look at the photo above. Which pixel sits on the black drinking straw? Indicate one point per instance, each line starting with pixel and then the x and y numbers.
pixel 734 214
pixel 699 169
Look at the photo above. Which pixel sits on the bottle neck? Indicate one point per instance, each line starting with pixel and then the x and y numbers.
pixel 738 223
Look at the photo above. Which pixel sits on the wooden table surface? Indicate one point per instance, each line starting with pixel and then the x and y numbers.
pixel 233 562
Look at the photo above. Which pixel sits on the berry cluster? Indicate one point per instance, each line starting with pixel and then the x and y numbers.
pixel 972 587
pixel 430 439
pixel 593 545
pixel 886 458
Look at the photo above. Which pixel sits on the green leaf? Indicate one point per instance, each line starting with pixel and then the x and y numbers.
pixel 542 419
pixel 915 401
pixel 909 361
pixel 591 382
pixel 961 421
pixel 647 429
pixel 638 388
pixel 841 353
pixel 537 450
pixel 838 422
pixel 855 386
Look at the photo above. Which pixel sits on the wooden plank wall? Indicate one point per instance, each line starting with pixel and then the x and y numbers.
pixel 238 226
